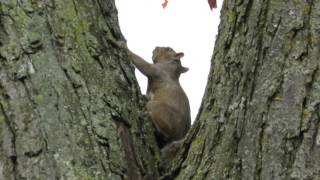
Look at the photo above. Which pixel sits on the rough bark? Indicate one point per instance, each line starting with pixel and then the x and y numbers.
pixel 70 107
pixel 260 114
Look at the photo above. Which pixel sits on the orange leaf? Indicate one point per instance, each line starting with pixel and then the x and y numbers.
pixel 212 4
pixel 164 4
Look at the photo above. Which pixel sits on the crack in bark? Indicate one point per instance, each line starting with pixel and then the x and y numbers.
pixel 258 168
pixel 32 154
pixel 13 157
pixel 199 159
pixel 129 150
pixel 247 10
pixel 261 50
pixel 41 129
pixel 263 126
pixel 231 32
pixel 291 154
pixel 307 21
pixel 112 13
pixel 315 116
pixel 276 30
pixel 308 87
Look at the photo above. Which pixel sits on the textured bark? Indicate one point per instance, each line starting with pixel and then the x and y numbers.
pixel 260 114
pixel 70 106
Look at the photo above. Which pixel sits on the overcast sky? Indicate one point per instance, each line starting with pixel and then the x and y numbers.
pixel 185 25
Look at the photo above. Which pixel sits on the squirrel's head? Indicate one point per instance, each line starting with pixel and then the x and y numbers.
pixel 168 55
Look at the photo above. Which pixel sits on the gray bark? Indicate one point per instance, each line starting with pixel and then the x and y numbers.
pixel 70 107
pixel 260 114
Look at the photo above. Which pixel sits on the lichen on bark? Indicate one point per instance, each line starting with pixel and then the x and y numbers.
pixel 260 113
pixel 70 106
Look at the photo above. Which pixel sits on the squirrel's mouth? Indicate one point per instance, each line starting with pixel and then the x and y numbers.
pixel 179 55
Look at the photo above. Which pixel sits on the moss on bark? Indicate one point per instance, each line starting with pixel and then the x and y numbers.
pixel 70 104
pixel 260 114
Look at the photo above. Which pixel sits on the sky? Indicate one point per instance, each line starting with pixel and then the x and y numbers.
pixel 188 26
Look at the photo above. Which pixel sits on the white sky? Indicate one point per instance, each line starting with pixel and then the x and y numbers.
pixel 185 25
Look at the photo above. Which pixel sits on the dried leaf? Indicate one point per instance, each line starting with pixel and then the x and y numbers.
pixel 212 4
pixel 164 4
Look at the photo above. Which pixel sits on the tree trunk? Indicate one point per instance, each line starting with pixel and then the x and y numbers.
pixel 260 114
pixel 70 107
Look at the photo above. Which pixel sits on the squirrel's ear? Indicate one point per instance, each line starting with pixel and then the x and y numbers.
pixel 184 69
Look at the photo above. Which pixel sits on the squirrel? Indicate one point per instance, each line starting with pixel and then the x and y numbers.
pixel 168 104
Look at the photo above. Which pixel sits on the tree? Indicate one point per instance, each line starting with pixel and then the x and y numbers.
pixel 71 107
pixel 261 110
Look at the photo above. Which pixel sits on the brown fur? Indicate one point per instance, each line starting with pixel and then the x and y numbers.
pixel 168 104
